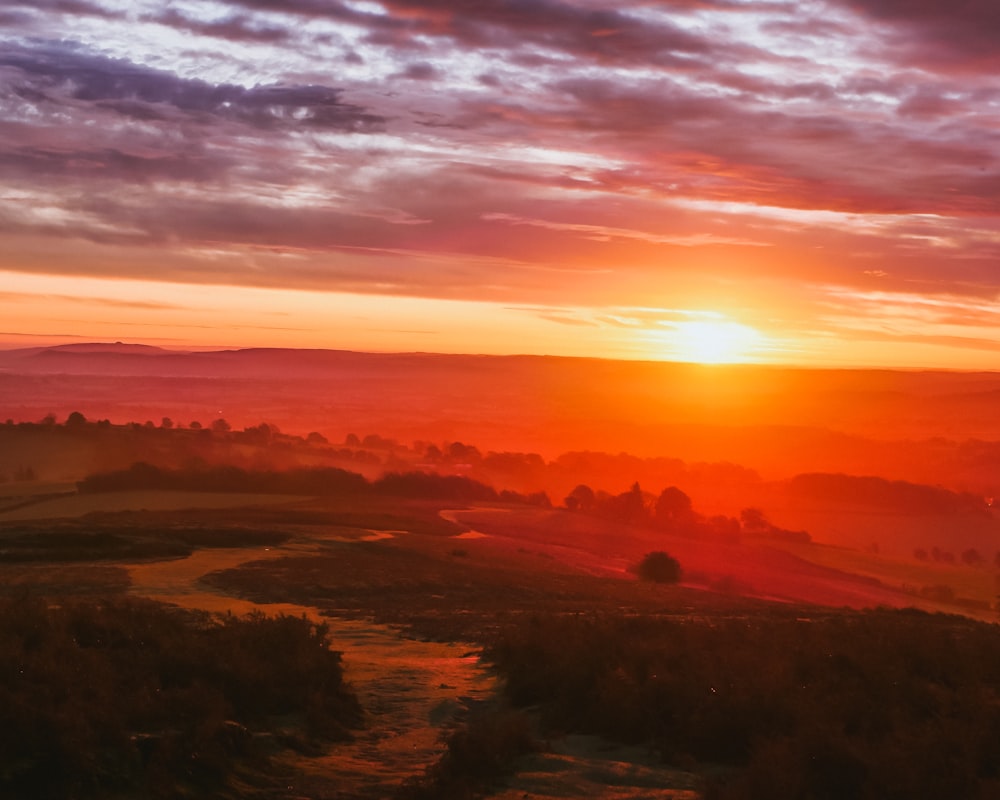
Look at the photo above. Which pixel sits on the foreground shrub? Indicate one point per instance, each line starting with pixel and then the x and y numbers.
pixel 853 705
pixel 659 567
pixel 479 754
pixel 135 698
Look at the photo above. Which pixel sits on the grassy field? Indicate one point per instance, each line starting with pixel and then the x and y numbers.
pixel 413 564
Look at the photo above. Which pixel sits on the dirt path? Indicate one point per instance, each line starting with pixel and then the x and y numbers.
pixel 411 691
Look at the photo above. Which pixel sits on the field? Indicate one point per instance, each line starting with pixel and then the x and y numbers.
pixel 499 626
pixel 414 591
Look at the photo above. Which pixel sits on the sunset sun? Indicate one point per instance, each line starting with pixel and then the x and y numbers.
pixel 714 341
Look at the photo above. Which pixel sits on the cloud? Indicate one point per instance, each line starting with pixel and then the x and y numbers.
pixel 545 151
pixel 604 35
pixel 954 36
pixel 235 27
pixel 602 233
pixel 140 305
pixel 56 73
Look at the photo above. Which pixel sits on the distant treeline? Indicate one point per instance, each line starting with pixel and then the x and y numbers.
pixel 672 511
pixel 880 493
pixel 306 481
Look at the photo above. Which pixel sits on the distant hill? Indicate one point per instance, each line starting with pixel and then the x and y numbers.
pixel 935 428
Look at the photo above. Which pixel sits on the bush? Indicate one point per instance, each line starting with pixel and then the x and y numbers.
pixel 659 567
pixel 479 754
pixel 880 704
pixel 133 698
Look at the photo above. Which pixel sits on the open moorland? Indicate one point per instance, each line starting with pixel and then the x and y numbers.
pixel 224 611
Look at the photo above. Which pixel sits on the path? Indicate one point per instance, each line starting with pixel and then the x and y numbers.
pixel 411 691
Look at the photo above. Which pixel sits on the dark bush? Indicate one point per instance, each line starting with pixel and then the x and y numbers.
pixel 879 704
pixel 131 698
pixel 659 567
pixel 479 754
pixel 430 486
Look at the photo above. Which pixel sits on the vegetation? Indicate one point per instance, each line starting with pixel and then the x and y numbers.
pixel 673 512
pixel 479 754
pixel 313 481
pixel 106 540
pixel 862 705
pixel 659 567
pixel 133 698
pixel 883 494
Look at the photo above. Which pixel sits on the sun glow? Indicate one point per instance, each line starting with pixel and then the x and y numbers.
pixel 714 341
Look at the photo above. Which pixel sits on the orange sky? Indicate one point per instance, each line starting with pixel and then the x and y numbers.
pixel 811 183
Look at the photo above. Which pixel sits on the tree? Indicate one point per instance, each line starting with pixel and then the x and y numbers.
pixel 76 420
pixel 629 507
pixel 580 499
pixel 166 423
pixel 752 520
pixel 972 557
pixel 659 567
pixel 672 507
pixel 220 425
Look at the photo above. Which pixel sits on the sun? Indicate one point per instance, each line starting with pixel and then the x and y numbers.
pixel 714 341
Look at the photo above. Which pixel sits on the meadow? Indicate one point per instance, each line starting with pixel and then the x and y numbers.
pixel 495 641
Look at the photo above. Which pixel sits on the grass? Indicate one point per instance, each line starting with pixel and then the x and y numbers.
pixel 106 540
pixel 131 698
pixel 768 700
pixel 881 704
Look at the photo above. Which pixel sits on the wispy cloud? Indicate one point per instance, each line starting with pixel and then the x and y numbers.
pixel 684 152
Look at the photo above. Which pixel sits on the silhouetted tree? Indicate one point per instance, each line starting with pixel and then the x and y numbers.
pixel 76 420
pixel 375 442
pixel 628 507
pixel 972 557
pixel 920 554
pixel 352 440
pixel 580 499
pixel 463 452
pixel 659 567
pixel 672 508
pixel 753 520
pixel 166 423
pixel 220 425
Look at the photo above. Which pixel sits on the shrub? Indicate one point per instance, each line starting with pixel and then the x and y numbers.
pixel 659 567
pixel 132 698
pixel 880 704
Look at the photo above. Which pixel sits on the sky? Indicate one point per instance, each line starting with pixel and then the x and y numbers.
pixel 795 181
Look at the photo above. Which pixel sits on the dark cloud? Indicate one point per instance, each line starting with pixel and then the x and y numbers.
pixel 37 163
pixel 604 35
pixel 237 27
pixel 73 7
pixel 420 71
pixel 55 71
pixel 964 35
pixel 726 148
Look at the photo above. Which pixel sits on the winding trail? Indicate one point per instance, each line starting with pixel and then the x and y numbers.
pixel 411 690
